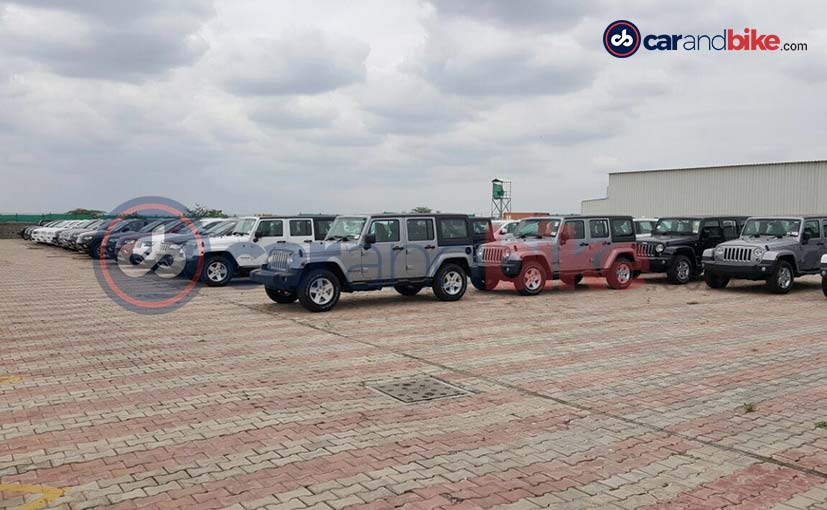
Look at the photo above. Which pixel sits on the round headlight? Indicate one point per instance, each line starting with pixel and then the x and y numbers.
pixel 480 251
pixel 506 253
pixel 719 252
pixel 757 253
pixel 659 248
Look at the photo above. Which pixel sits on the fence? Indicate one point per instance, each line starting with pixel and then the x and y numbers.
pixel 34 218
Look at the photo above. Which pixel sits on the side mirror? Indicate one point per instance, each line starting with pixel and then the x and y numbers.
pixel 805 237
pixel 369 240
pixel 256 237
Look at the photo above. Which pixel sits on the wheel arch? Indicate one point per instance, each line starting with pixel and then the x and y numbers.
pixel 543 261
pixel 333 267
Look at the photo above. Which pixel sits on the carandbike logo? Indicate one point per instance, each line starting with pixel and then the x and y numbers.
pixel 143 276
pixel 622 39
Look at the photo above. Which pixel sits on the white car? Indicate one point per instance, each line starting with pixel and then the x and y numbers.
pixel 644 227
pixel 248 245
pixel 48 234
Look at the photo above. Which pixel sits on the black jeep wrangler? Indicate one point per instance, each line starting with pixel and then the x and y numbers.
pixel 677 244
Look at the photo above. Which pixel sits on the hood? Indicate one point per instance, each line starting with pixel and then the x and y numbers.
pixel 670 240
pixel 766 242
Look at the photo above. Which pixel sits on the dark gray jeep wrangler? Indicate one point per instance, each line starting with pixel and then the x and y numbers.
pixel 404 251
pixel 774 249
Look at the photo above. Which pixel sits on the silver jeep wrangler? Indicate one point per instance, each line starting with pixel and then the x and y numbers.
pixel 774 249
pixel 404 251
pixel 565 248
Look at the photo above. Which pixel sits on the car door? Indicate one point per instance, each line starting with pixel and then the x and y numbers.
pixel 599 241
pixel 811 251
pixel 420 246
pixel 572 247
pixel 730 228
pixel 267 234
pixel 380 259
pixel 301 230
pixel 711 234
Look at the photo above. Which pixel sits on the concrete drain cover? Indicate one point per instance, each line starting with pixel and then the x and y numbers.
pixel 418 389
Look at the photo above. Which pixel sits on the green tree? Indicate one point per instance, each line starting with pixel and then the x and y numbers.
pixel 421 210
pixel 200 211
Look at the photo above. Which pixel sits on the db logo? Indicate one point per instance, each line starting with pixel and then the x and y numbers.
pixel 621 39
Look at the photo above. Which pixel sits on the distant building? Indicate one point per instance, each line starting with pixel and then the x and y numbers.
pixel 521 215
pixel 766 188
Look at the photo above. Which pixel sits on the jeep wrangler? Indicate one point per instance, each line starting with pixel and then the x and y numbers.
pixel 774 249
pixel 677 244
pixel 565 248
pixel 405 251
pixel 247 245
pixel 824 273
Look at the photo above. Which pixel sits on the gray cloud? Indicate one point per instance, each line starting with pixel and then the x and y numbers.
pixel 299 62
pixel 124 41
pixel 281 106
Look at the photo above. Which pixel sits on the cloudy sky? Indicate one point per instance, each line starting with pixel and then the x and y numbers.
pixel 286 106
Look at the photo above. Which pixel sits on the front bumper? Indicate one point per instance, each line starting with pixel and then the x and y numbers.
pixel 506 270
pixel 752 271
pixel 279 280
pixel 653 264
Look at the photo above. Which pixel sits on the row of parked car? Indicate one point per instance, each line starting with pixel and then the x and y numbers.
pixel 313 259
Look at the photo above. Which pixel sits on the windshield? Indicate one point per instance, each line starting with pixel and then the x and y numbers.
pixel 244 227
pixel 678 226
pixel 346 228
pixel 540 227
pixel 221 228
pixel 772 227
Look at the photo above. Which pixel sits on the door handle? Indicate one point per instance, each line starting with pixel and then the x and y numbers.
pixel 308 241
pixel 584 244
pixel 397 248
pixel 430 247
pixel 281 242
pixel 606 243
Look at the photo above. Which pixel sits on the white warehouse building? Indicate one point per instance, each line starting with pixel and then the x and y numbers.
pixel 761 189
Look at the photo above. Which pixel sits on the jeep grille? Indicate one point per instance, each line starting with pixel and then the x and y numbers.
pixel 645 250
pixel 493 254
pixel 278 260
pixel 737 254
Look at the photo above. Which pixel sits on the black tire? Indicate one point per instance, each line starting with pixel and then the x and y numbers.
pixel 95 251
pixel 450 282
pixel 283 297
pixel 319 290
pixel 715 281
pixel 485 284
pixel 621 274
pixel 782 278
pixel 407 289
pixel 824 285
pixel 218 270
pixel 571 281
pixel 532 279
pixel 680 270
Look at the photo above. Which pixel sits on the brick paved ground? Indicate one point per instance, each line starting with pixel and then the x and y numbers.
pixel 578 399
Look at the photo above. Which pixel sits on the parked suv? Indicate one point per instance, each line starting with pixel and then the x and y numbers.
pixel 565 248
pixel 247 245
pixel 824 273
pixel 775 249
pixel 677 244
pixel 406 252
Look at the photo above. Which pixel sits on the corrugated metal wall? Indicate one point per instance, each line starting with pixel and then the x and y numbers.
pixel 777 188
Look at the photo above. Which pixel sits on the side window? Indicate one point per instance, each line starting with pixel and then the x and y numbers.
pixel 510 228
pixel 812 227
pixel 825 229
pixel 575 229
pixel 598 229
pixel 730 229
pixel 386 231
pixel 453 229
pixel 270 228
pixel 421 230
pixel 623 227
pixel 322 228
pixel 301 228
